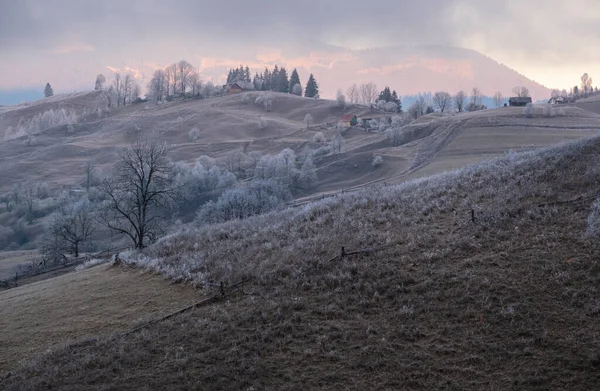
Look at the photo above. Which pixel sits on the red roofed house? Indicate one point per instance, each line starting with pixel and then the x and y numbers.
pixel 349 120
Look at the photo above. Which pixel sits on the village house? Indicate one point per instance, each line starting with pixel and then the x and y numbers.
pixel 349 120
pixel 234 88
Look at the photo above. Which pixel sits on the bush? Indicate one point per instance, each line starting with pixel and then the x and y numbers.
pixel 194 134
pixel 528 110
pixel 264 99
pixel 262 123
pixel 593 228
pixel 319 137
pixel 377 161
pixel 259 197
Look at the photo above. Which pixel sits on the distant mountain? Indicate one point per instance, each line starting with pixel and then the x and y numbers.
pixel 413 70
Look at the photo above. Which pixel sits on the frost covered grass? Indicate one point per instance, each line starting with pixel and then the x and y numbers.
pixel 91 263
pixel 483 199
pixel 488 281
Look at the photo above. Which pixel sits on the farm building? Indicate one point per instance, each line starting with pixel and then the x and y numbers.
pixel 519 101
pixel 234 88
pixel 349 120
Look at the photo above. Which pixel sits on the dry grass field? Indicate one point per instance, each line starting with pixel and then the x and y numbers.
pixel 11 259
pixel 96 302
pixel 481 278
pixel 509 300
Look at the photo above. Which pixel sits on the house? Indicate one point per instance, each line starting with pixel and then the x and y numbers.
pixel 519 101
pixel 349 120
pixel 235 88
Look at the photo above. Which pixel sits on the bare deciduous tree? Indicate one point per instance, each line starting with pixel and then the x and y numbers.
pixel 442 100
pixel 498 99
pixel 340 99
pixel 140 186
pixel 73 224
pixel 459 100
pixel 353 94
pixel 158 85
pixel 184 70
pixel 368 93
pixel 418 108
pixel 586 84
pixel 100 80
pixel 521 91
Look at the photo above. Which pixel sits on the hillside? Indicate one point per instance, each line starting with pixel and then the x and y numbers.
pixel 481 278
pixel 58 154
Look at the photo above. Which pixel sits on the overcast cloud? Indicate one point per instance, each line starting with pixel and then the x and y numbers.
pixel 40 38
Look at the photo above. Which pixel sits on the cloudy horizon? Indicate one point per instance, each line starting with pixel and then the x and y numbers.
pixel 68 42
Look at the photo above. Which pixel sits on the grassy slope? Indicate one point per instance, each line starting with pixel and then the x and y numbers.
pixel 509 302
pixel 88 303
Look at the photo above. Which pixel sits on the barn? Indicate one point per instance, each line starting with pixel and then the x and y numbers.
pixel 519 101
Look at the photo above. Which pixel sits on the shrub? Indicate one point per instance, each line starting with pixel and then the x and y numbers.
pixel 194 134
pixel 377 161
pixel 319 137
pixel 262 123
pixel 308 120
pixel 528 110
pixel 593 228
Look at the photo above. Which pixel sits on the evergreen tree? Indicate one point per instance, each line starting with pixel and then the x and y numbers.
pixel 385 95
pixel 48 90
pixel 247 74
pixel 395 98
pixel 274 86
pixel 294 79
pixel 267 77
pixel 283 84
pixel 312 88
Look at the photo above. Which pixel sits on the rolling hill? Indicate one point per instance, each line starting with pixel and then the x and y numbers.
pixel 480 278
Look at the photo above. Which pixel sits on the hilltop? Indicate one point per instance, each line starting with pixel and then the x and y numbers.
pixel 478 278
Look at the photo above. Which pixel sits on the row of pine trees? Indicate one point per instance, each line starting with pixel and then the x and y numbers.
pixel 276 80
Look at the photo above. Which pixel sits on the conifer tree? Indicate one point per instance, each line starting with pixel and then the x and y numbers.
pixel 283 81
pixel 48 90
pixel 385 95
pixel 294 79
pixel 312 88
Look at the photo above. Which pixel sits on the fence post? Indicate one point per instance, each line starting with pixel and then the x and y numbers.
pixel 342 254
pixel 473 215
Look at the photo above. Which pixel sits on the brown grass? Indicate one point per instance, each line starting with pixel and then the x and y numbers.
pixel 91 303
pixel 510 302
pixel 11 259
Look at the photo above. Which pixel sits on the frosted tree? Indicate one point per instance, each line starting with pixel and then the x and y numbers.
pixel 442 100
pixel 521 91
pixel 195 83
pixel 368 93
pixel 498 99
pixel 340 99
pixel 586 84
pixel 337 142
pixel 308 173
pixel 297 90
pixel 308 120
pixel 48 92
pixel 194 134
pixel 100 80
pixel 319 137
pixel 118 87
pixel 184 70
pixel 459 100
pixel 157 86
pixel 312 88
pixel 353 94
pixel 528 110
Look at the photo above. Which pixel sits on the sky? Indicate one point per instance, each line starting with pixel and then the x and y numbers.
pixel 68 42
